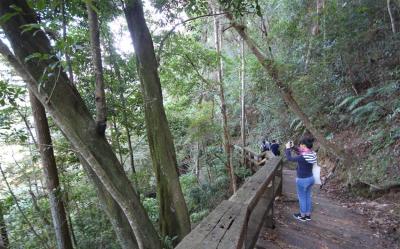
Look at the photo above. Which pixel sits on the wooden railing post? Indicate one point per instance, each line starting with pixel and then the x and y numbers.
pixel 280 176
pixel 269 220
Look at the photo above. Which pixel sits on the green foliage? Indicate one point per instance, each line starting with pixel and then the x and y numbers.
pixel 145 180
pixel 200 125
pixel 151 206
pixel 240 7
pixel 242 172
pixel 376 104
pixel 196 217
pixel 9 94
pixel 201 198
pixel 168 242
pixel 344 77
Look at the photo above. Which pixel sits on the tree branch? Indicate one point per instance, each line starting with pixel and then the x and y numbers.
pixel 207 82
pixel 160 48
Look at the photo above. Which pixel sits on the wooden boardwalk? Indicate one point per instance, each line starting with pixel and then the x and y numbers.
pixel 332 226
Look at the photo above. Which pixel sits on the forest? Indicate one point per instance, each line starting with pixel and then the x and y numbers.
pixel 122 121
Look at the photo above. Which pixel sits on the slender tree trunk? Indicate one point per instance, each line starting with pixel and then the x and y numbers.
pixel 130 148
pixel 31 228
pixel 3 229
pixel 42 215
pixel 65 105
pixel 28 127
pixel 270 68
pixel 71 228
pixel 66 200
pixel 197 161
pixel 174 216
pixel 212 110
pixel 51 174
pixel 64 33
pixel 100 98
pixel 392 21
pixel 117 142
pixel 316 28
pixel 115 214
pixel 121 90
pixel 208 167
pixel 227 138
pixel 243 107
pixel 308 55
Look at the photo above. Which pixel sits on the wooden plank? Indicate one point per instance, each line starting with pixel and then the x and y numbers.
pixel 235 236
pixel 259 215
pixel 213 238
pixel 262 162
pixel 226 227
pixel 205 226
pixel 275 163
pixel 249 189
pixel 255 185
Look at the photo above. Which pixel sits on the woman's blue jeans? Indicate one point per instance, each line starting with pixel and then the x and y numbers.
pixel 304 187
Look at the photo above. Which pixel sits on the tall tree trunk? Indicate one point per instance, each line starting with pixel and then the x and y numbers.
pixel 392 20
pixel 67 211
pixel 174 216
pixel 65 105
pixel 270 68
pixel 64 33
pixel 243 107
pixel 100 98
pixel 114 213
pixel 227 138
pixel 115 66
pixel 3 229
pixel 51 174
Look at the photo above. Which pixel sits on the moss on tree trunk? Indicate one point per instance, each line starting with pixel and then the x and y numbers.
pixel 174 217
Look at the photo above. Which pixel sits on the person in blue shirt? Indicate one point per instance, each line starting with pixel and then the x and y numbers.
pixel 305 179
pixel 275 148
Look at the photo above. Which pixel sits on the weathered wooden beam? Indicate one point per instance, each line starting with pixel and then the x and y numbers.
pixel 236 223
pixel 205 226
pixel 224 225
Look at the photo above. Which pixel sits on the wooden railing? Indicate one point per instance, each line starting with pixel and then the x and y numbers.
pixel 236 223
pixel 252 159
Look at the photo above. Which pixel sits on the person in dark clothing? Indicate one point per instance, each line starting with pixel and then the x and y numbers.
pixel 305 179
pixel 264 145
pixel 275 148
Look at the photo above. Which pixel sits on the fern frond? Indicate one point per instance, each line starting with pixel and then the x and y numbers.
pixel 355 102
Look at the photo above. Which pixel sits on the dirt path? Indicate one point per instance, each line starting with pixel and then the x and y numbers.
pixel 332 226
